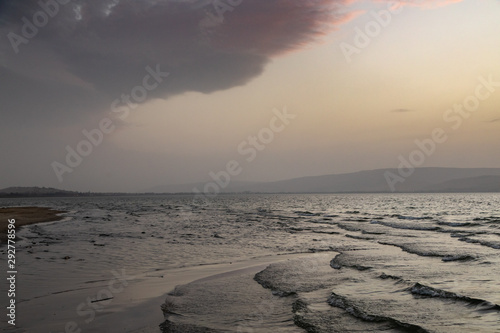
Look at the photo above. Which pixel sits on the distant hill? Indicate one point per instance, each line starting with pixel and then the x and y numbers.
pixel 435 180
pixel 422 180
pixel 36 192
pixel 33 191
pixel 474 184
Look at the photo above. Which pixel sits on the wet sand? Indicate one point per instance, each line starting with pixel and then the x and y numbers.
pixel 25 216
pixel 137 308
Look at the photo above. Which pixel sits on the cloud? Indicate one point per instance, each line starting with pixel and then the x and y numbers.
pixel 65 75
pixel 426 4
pixel 90 53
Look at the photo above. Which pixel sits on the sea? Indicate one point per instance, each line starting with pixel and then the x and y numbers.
pixel 356 262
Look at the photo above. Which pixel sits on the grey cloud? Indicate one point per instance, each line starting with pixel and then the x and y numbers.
pixel 92 52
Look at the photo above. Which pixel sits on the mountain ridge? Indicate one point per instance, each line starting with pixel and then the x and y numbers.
pixel 376 180
pixel 421 180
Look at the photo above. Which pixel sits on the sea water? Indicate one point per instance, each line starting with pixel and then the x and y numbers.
pixel 372 262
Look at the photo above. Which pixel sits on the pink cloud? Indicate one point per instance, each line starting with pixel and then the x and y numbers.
pixel 427 4
pixel 88 57
pixel 276 27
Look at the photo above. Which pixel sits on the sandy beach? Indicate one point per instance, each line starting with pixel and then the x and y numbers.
pixel 137 308
pixel 25 216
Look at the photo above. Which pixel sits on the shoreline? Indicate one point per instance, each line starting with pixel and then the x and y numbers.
pixel 137 308
pixel 26 216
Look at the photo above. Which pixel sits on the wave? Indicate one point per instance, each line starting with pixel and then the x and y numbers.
pixel 373 232
pixel 299 307
pixel 266 283
pixel 459 224
pixel 404 217
pixel 491 219
pixel 343 303
pixel 326 221
pixel 347 227
pixel 306 213
pixel 459 257
pixel 359 237
pixel 326 232
pixel 493 245
pixel 408 249
pixel 426 253
pixel 384 276
pixel 429 253
pixel 426 291
pixel 406 227
pixel 336 263
pixel 357 219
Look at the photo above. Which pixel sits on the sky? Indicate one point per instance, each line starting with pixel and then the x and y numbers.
pixel 126 95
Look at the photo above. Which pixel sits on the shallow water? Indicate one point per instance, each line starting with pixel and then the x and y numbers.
pixel 384 262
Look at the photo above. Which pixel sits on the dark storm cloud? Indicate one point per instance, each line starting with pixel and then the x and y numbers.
pixel 89 53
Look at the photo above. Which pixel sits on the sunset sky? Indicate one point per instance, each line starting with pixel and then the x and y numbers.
pixel 362 87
